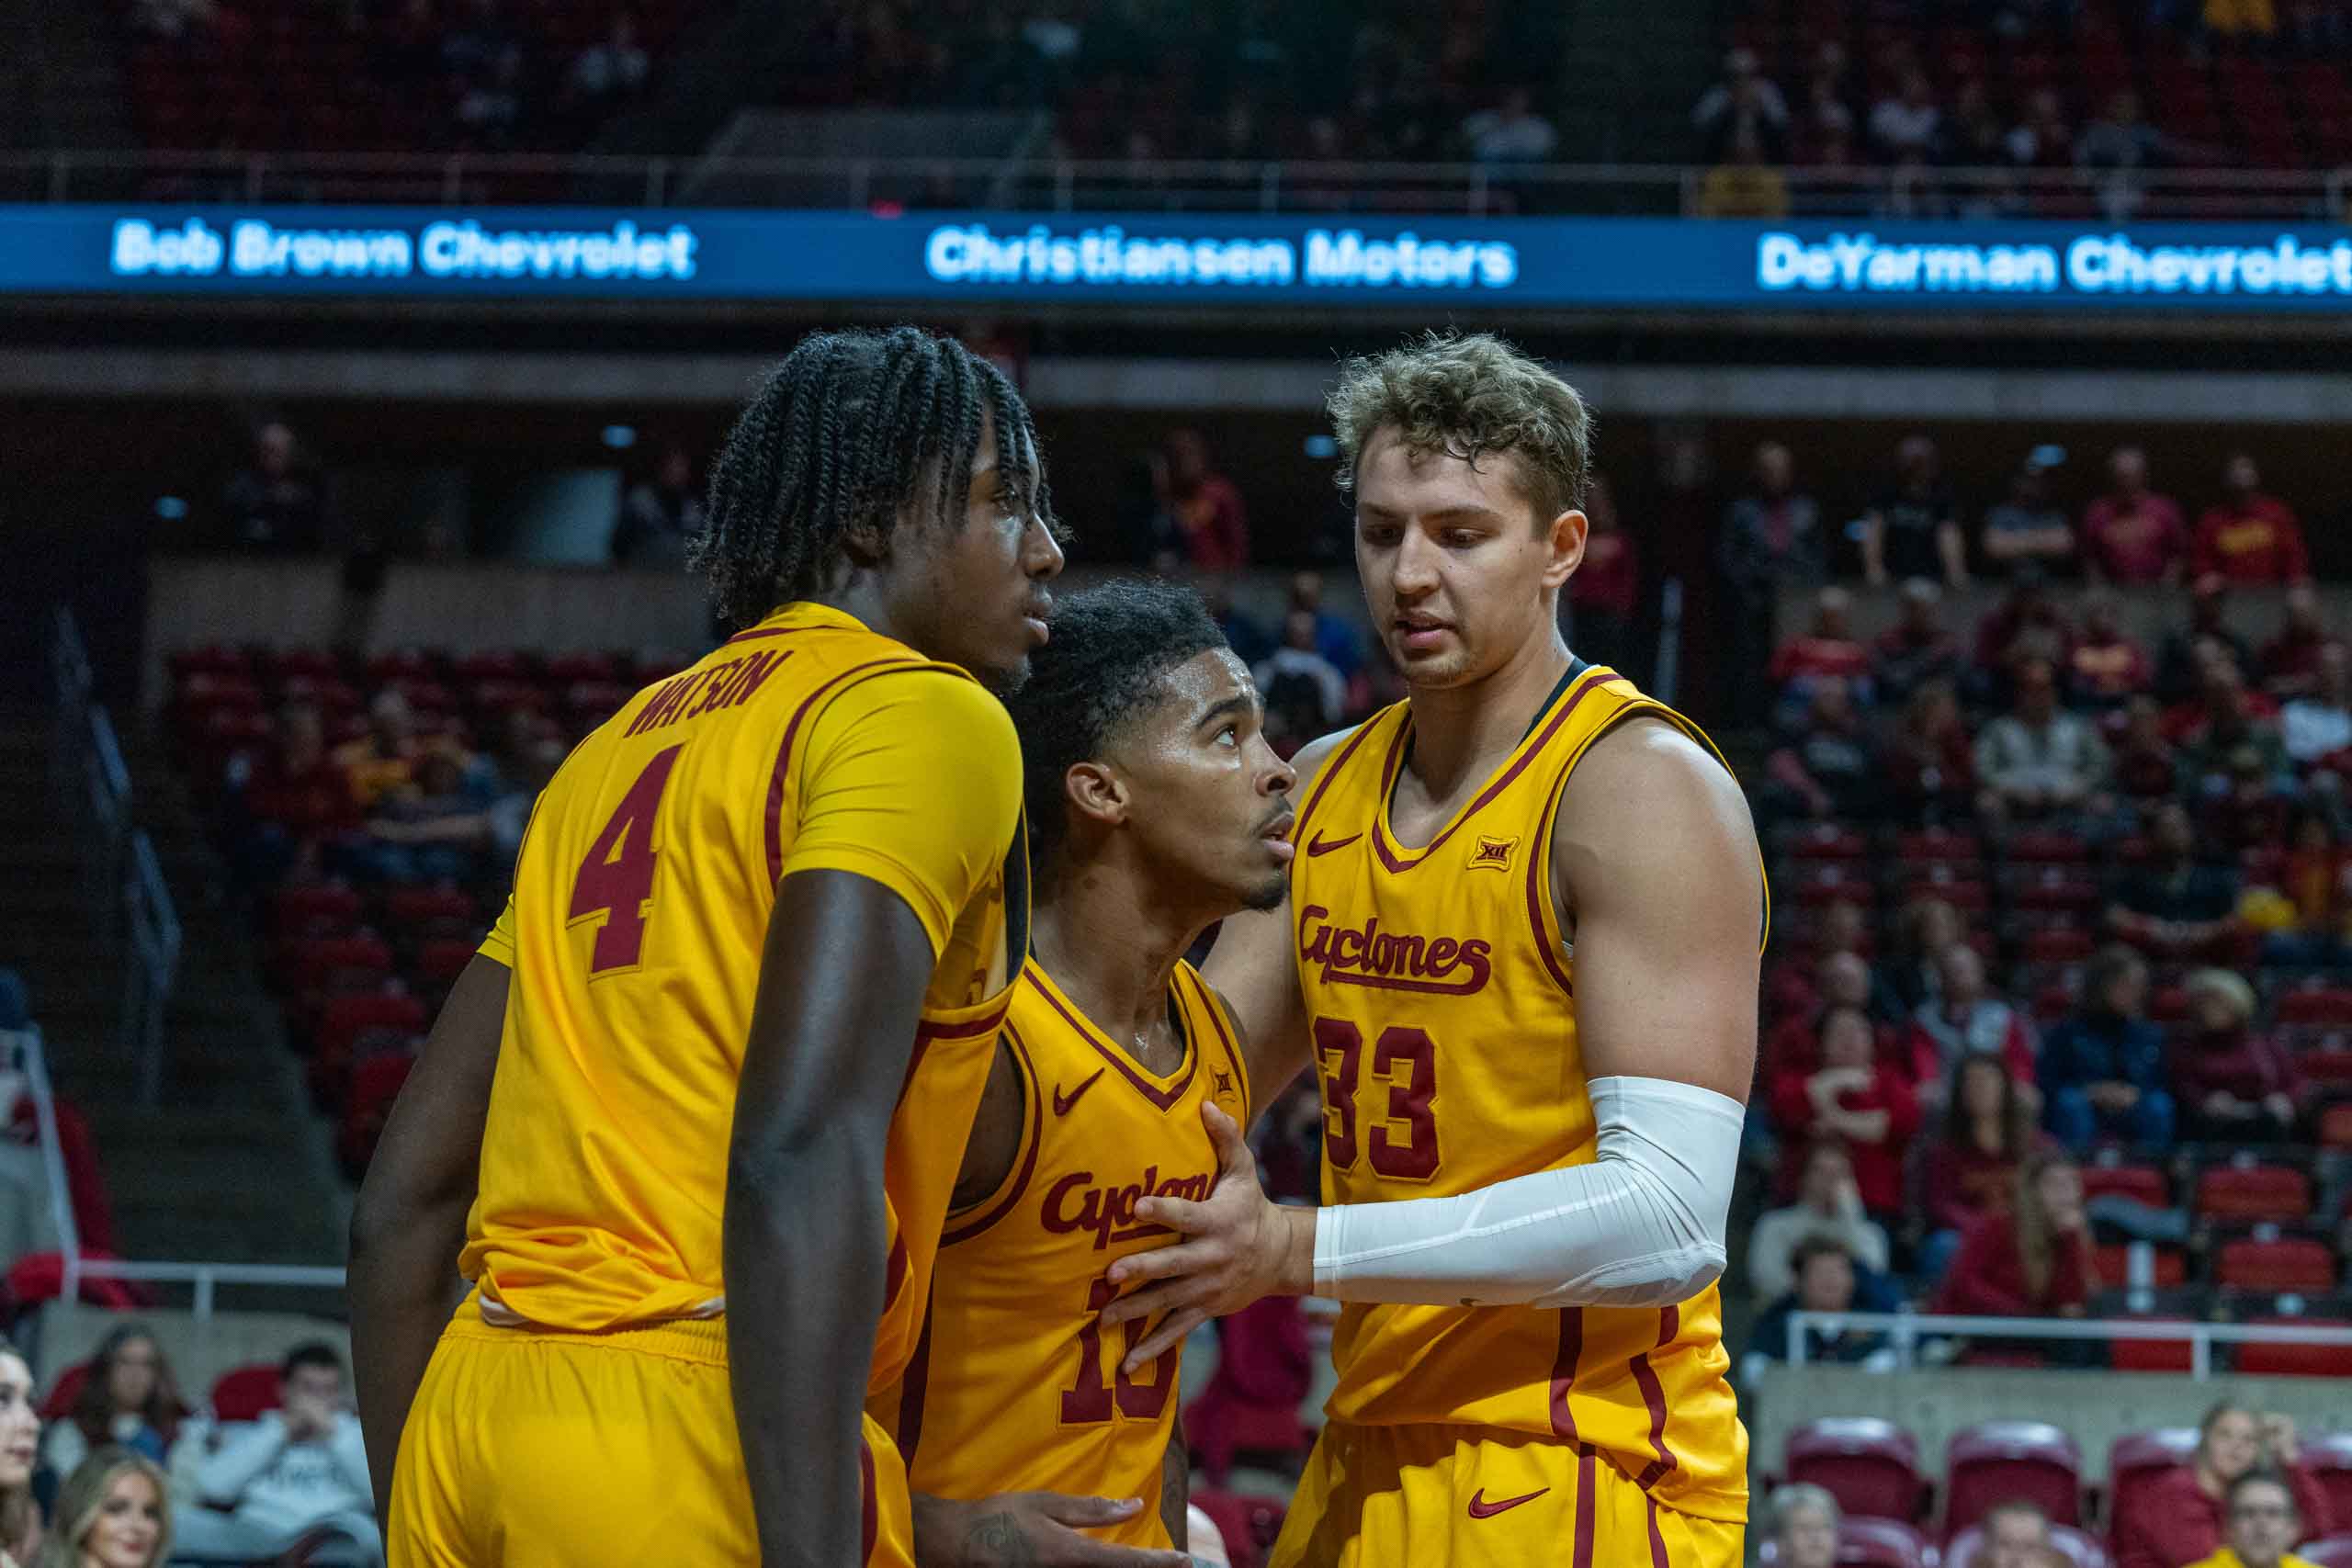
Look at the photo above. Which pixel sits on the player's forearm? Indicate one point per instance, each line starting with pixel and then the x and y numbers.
pixel 803 1284
pixel 404 1286
pixel 1176 1487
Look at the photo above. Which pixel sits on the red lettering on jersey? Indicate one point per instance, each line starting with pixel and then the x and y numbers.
pixel 1348 956
pixel 1109 1210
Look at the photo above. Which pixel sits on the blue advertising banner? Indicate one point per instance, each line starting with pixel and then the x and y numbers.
pixel 1430 264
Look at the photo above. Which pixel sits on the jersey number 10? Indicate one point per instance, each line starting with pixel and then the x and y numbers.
pixel 1091 1399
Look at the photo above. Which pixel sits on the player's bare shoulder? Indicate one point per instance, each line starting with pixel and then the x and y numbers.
pixel 1651 803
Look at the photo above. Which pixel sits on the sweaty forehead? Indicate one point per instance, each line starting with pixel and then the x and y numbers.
pixel 1394 475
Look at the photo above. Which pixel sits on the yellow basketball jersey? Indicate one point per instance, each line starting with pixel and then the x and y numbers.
pixel 1442 1000
pixel 1017 1387
pixel 634 938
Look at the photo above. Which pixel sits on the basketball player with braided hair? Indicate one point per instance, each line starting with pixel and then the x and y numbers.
pixel 723 1047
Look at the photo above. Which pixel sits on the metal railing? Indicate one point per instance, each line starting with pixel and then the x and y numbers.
pixel 1062 185
pixel 151 926
pixel 1904 1331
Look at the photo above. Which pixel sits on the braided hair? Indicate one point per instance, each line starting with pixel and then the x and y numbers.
pixel 843 434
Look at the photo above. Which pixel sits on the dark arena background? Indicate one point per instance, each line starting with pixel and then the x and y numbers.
pixel 1975 460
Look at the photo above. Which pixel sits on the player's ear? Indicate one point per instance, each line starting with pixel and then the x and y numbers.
pixel 1566 536
pixel 1097 792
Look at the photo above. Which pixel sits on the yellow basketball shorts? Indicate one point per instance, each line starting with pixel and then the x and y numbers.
pixel 1482 1497
pixel 533 1449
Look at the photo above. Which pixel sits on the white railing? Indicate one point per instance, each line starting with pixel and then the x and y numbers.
pixel 1062 185
pixel 1905 1330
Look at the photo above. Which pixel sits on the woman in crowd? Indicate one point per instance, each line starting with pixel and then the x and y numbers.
pixel 19 1447
pixel 1930 761
pixel 2034 1261
pixel 2233 1085
pixel 128 1398
pixel 1853 1098
pixel 2102 1069
pixel 1924 927
pixel 115 1512
pixel 1970 1170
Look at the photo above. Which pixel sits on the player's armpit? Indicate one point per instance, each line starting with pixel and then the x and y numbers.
pixel 997 1130
pixel 841 985
pixel 409 1224
pixel 1253 967
pixel 1654 858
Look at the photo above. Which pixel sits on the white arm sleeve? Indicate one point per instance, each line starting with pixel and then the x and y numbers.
pixel 1642 1225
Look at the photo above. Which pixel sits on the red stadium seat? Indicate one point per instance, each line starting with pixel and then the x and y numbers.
pixel 432 911
pixel 1883 1543
pixel 2273 1192
pixel 2145 1182
pixel 1827 840
pixel 2335 1125
pixel 401 664
pixel 2288 1263
pixel 374 1083
pixel 441 961
pixel 2169 1266
pixel 329 695
pixel 569 669
pixel 2141 1458
pixel 2047 848
pixel 1996 1460
pixel 2151 1355
pixel 313 909
pixel 288 664
pixel 492 664
pixel 1248 1524
pixel 64 1392
pixel 1939 844
pixel 2168 1004
pixel 2059 946
pixel 2329 1459
pixel 214 659
pixel 1871 1466
pixel 247 1392
pixel 2326 1005
pixel 2296 1361
pixel 2080 1550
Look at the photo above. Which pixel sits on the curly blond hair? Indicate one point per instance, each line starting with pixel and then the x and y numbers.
pixel 1466 395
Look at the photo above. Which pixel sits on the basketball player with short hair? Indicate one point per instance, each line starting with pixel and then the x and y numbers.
pixel 1520 948
pixel 1156 807
pixel 724 1045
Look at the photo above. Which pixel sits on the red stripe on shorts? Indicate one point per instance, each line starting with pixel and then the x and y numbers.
pixel 1657 1541
pixel 1668 1322
pixel 1563 1372
pixel 1584 1509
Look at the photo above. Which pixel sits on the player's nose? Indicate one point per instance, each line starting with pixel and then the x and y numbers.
pixel 1041 553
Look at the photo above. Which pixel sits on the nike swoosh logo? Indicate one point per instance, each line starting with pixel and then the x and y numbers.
pixel 1062 1102
pixel 1318 845
pixel 1482 1510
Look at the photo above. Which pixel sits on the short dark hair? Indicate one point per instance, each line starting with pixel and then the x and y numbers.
pixel 2262 1475
pixel 1110 644
pixel 313 1353
pixel 1817 1245
pixel 840 434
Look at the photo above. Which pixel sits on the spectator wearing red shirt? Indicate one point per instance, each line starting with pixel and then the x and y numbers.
pixel 2291 660
pixel 1917 649
pixel 2231 1085
pixel 2145 768
pixel 1857 1098
pixel 2250 536
pixel 1970 1170
pixel 2176 1519
pixel 2131 534
pixel 1828 649
pixel 2107 665
pixel 1200 514
pixel 2027 624
pixel 1842 978
pixel 1930 759
pixel 2033 1259
pixel 1606 591
pixel 294 801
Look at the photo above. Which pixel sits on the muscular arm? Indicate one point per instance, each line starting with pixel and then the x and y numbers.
pixel 409 1222
pixel 822 1071
pixel 1254 966
pixel 1176 1487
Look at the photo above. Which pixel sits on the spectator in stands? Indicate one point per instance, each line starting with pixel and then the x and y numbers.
pixel 2188 665
pixel 2026 528
pixel 1828 1279
pixel 1335 636
pixel 1825 118
pixel 660 515
pixel 114 1511
pixel 2233 20
pixel 2233 1085
pixel 1251 641
pixel 1605 594
pixel 2026 623
pixel 287 805
pixel 2119 145
pixel 20 1521
pixel 1200 512
pixel 294 1469
pixel 1913 528
pixel 1855 1097
pixel 2043 138
pixel 2017 1535
pixel 2102 1067
pixel 2145 770
pixel 275 506
pixel 2033 1259
pixel 1743 102
pixel 1924 929
pixel 1919 647
pixel 2315 885
pixel 1828 650
pixel 2179 1518
pixel 1299 684
pixel 1512 133
pixel 1771 539
pixel 1930 759
pixel 1907 125
pixel 383 761
pixel 1745 185
pixel 1828 1203
pixel 2249 537
pixel 2263 1522
pixel 2291 660
pixel 1975 147
pixel 1804 1525
pixel 2131 534
pixel 1827 769
pixel 128 1397
pixel 1967 1019
pixel 1969 1169
pixel 609 70
pixel 2174 906
pixel 2038 760
pixel 2319 725
pixel 2107 666
pixel 434 832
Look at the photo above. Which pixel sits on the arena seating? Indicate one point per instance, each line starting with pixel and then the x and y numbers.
pixel 1997 1461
